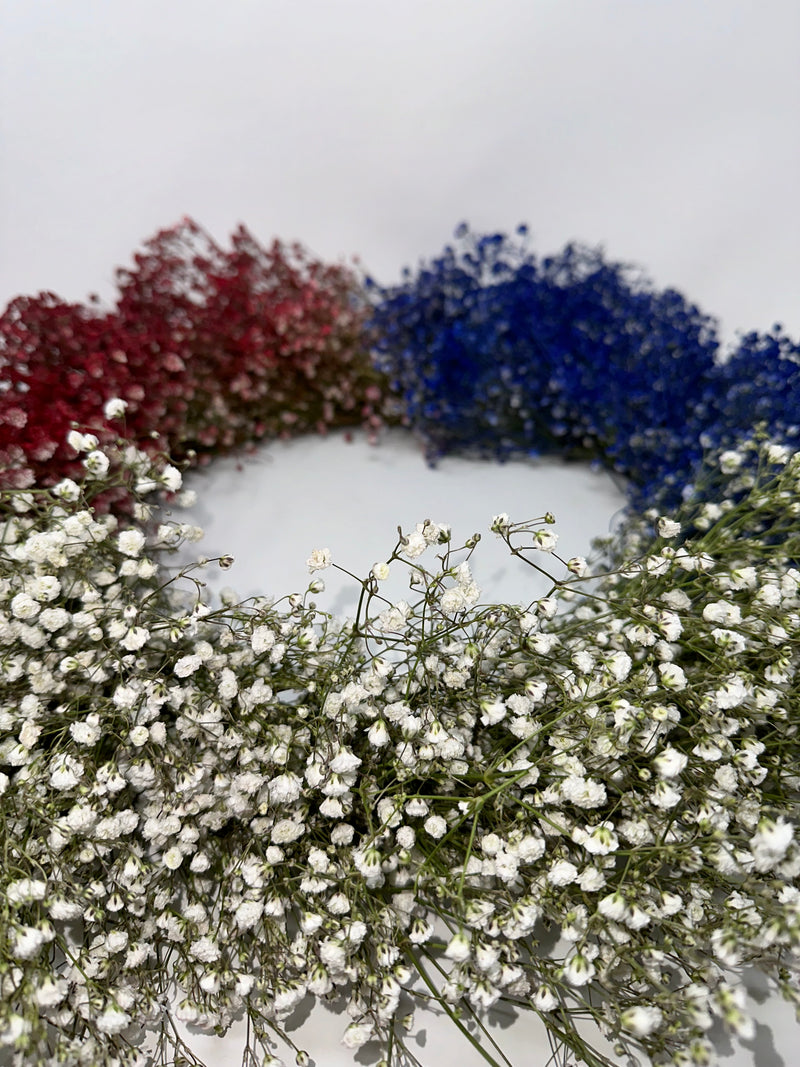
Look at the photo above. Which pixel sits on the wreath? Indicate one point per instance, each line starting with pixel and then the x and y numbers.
pixel 583 807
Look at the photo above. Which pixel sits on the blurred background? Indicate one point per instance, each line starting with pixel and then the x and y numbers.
pixel 664 130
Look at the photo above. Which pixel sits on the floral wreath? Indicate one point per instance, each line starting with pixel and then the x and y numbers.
pixel 584 807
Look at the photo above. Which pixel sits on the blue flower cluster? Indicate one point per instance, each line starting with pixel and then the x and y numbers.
pixel 497 353
pixel 759 384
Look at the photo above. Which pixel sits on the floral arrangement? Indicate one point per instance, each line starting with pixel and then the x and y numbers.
pixel 583 807
pixel 209 349
pixel 498 353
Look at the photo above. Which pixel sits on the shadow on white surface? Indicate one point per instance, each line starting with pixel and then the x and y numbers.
pixel 522 1038
pixel 433 1040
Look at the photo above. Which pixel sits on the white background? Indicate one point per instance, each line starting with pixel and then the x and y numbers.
pixel 665 130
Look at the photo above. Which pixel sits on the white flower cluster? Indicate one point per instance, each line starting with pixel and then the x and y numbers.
pixel 259 804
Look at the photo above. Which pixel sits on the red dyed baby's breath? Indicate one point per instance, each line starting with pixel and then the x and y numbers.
pixel 211 349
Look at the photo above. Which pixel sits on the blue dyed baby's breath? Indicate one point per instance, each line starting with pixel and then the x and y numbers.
pixel 498 353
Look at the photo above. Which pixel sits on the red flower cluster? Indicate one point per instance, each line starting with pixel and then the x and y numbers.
pixel 211 349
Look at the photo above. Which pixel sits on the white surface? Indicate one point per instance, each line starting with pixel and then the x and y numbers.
pixel 523 1041
pixel 271 509
pixel 664 129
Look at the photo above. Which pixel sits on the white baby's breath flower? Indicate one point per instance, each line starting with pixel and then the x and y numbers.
pixel 732 693
pixel 66 772
pixel 86 731
pixel 356 1035
pixel 125 696
pixel 344 762
pixel 228 686
pixel 187 665
pixel 642 1019
pixel 730 461
pixel 113 1020
pixel 722 613
pixel 770 843
pixel 544 999
pixel 676 599
pixel 436 826
pixel 67 489
pixel 380 572
pixel 562 873
pixel 262 640
pixel 116 941
pixel 139 736
pixel 491 844
pixel 29 734
pixel 547 607
pixel 52 619
pixel 459 947
pixel 665 795
pixel 776 453
pixel 453 600
pixel 378 734
pixel 414 545
pixel 579 970
pixel 44 587
pixel 248 914
pixel 493 711
pixel 131 542
pixel 285 789
pixel 15 1029
pixel 670 763
pixel 51 992
pixel 530 848
pixel 171 478
pixel 583 792
pixel 613 906
pixel 205 950
pixel 286 830
pixel 81 442
pixel 667 528
pixel 405 837
pixel 435 533
pixel 25 607
pixel 172 859
pixel 672 676
pixel 96 464
pixel 770 595
pixel 28 941
pixel 81 818
pixel 187 498
pixel 25 891
pixel 394 618
pixel 598 840
pixel 619 663
pixel 545 540
pixel 136 638
pixel 115 408
pixel 578 566
pixel 319 559
pixel 583 661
